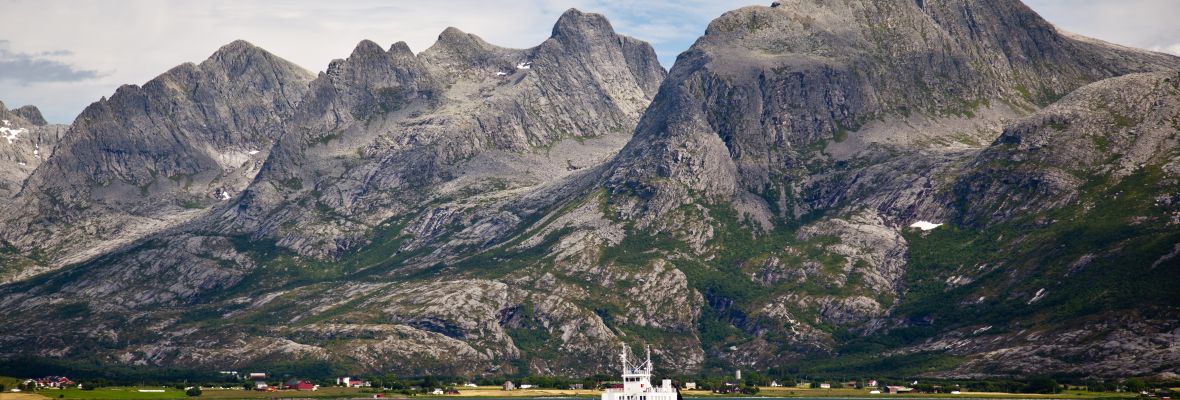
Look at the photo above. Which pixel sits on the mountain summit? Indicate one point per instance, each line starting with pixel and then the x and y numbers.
pixel 154 156
pixel 951 187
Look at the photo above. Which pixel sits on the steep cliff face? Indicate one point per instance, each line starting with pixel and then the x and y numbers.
pixel 154 156
pixel 468 210
pixel 26 140
pixel 387 148
pixel 383 133
pixel 749 105
pixel 792 144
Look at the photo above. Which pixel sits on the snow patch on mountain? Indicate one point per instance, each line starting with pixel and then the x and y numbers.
pixel 11 134
pixel 925 225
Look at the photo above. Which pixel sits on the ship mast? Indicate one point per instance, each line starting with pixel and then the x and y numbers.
pixel 644 367
pixel 623 356
pixel 647 366
pixel 637 384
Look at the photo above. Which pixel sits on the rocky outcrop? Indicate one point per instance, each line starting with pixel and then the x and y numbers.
pixel 378 136
pixel 26 141
pixel 152 156
pixel 748 104
pixel 1098 135
pixel 468 210
pixel 381 130
pixel 828 112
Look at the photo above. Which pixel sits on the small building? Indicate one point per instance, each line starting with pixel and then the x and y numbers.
pixel 295 384
pixel 352 382
pixel 898 389
pixel 775 384
pixel 690 386
pixel 261 385
pixel 254 376
pixel 527 386
pixel 469 384
pixel 825 386
pixel 54 381
pixel 509 386
pixel 437 391
pixel 577 386
pixel 872 383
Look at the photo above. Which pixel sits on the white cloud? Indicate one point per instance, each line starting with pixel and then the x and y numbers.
pixel 1171 49
pixel 138 39
pixel 1148 24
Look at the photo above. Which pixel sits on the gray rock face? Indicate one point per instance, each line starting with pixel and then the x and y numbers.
pixel 26 140
pixel 152 156
pixel 747 104
pixel 852 119
pixel 30 114
pixel 468 210
pixel 1130 344
pixel 1102 133
pixel 382 130
pixel 377 136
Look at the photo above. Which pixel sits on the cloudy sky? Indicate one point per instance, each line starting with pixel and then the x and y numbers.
pixel 61 55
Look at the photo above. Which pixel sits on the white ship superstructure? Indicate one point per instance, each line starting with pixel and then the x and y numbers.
pixel 637 383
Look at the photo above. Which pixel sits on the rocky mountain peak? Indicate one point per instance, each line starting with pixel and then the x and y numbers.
pixel 456 40
pixel 26 140
pixel 401 48
pixel 587 41
pixel 397 74
pixel 187 137
pixel 29 113
pixel 416 119
pixel 366 48
pixel 240 59
pixel 574 24
pixel 237 55
pixel 459 49
pixel 448 210
pixel 32 114
pixel 765 88
pixel 237 46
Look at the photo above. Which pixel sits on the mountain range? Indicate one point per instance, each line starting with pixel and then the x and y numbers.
pixel 948 188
